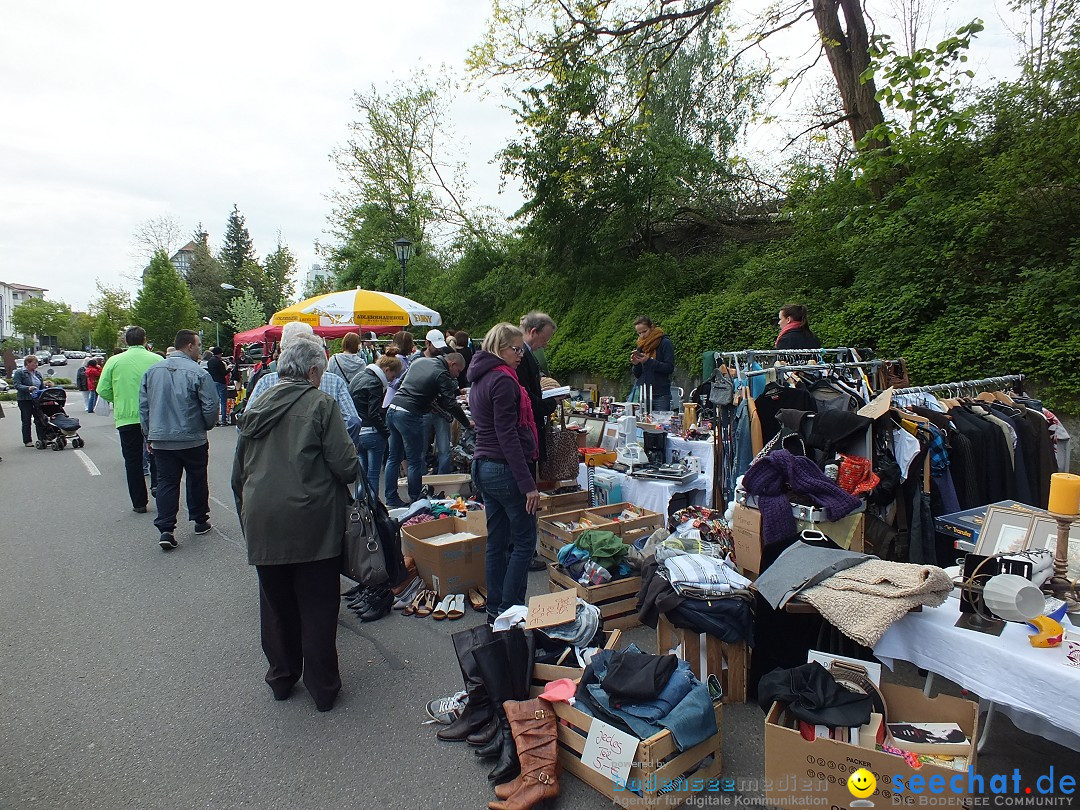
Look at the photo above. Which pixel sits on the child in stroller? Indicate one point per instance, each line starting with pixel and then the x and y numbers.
pixel 54 426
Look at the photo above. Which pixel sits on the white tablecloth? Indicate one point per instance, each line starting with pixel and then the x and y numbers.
pixel 1032 686
pixel 653 495
pixel 702 451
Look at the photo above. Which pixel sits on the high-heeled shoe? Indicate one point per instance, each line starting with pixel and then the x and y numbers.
pixel 427 604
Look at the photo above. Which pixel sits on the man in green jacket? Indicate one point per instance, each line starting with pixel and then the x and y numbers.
pixel 119 384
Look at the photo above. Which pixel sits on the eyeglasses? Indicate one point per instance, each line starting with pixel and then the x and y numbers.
pixel 517 349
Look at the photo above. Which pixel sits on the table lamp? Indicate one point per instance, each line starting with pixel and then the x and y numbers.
pixel 1064 507
pixel 1013 598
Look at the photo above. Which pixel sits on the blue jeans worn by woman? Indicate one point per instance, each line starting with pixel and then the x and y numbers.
pixel 372 447
pixel 91 402
pixel 511 535
pixel 406 442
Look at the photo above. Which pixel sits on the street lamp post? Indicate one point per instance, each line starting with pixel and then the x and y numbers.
pixel 404 250
pixel 217 327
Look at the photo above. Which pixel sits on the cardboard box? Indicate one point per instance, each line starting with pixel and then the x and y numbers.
pixel 746 530
pixel 796 769
pixel 448 567
pixel 617 599
pixel 452 484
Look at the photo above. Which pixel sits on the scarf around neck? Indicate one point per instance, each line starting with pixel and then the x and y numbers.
pixel 791 327
pixel 648 343
pixel 525 411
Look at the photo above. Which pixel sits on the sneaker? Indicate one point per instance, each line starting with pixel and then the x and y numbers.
pixel 446 710
pixel 537 563
pixel 145 471
pixel 139 509
pixel 153 492
pixel 167 541
pixel 202 528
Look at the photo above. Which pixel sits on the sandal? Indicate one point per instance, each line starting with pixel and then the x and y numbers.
pixel 476 600
pixel 414 605
pixel 427 604
pixel 443 607
pixel 457 607
pixel 480 589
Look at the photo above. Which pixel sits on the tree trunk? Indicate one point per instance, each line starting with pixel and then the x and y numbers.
pixel 849 57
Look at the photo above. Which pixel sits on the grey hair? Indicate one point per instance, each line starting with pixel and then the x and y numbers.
pixel 299 357
pixel 294 329
pixel 536 320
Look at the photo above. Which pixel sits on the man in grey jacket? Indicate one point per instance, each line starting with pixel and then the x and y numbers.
pixel 177 406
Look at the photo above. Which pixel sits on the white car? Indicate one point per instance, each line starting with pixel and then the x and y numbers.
pixel 58 360
pixel 3 385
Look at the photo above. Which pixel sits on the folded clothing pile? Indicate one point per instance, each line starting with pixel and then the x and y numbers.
pixel 426 510
pixel 644 694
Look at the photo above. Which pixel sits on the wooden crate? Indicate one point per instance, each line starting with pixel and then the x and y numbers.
pixel 543 674
pixel 617 600
pixel 728 662
pixel 553 504
pixel 611 512
pixel 550 538
pixel 658 770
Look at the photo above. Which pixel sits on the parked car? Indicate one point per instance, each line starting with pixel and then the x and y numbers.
pixel 3 385
pixel 43 358
pixel 58 360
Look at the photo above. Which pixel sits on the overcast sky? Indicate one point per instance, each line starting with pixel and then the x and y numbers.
pixel 115 113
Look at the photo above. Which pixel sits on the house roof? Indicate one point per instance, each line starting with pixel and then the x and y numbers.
pixel 188 248
pixel 25 287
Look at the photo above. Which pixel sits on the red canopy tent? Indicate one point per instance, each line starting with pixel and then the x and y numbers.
pixel 268 335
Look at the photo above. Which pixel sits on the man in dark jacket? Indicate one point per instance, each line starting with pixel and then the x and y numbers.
pixel 219 372
pixel 294 462
pixel 431 382
pixel 538 328
pixel 177 405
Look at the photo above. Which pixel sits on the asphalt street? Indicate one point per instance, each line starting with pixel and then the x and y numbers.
pixel 132 678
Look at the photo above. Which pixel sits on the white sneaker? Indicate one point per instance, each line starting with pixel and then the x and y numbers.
pixel 446 710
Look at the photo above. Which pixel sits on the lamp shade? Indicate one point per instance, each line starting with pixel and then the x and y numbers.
pixel 1013 598
pixel 403 249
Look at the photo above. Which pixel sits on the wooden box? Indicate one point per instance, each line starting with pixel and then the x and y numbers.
pixel 553 504
pixel 611 512
pixel 550 538
pixel 728 662
pixel 543 674
pixel 617 600
pixel 746 530
pixel 664 776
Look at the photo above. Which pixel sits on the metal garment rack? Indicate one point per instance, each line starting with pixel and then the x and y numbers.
pixel 986 382
pixel 749 355
pixel 871 364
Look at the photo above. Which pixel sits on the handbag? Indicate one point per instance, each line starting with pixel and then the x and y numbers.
pixel 561 463
pixel 363 559
pixel 894 374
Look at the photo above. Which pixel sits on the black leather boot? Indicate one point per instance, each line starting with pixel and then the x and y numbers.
pixel 506 667
pixel 478 712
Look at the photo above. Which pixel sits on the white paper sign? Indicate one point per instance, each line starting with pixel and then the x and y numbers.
pixel 609 751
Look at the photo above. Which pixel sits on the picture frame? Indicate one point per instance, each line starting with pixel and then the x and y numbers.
pixel 1044 535
pixel 1004 531
pixel 594 429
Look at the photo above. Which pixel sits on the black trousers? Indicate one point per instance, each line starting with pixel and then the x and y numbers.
pixel 26 412
pixel 298 609
pixel 131 446
pixel 171 465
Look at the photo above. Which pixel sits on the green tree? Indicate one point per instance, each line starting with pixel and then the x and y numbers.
pixel 237 250
pixel 205 276
pixel 279 269
pixel 78 330
pixel 164 304
pixel 111 309
pixel 37 316
pixel 245 311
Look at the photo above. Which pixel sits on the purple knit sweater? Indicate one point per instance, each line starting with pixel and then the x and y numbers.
pixel 774 476
pixel 495 400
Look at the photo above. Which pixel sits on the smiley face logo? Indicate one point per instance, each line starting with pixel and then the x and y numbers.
pixel 861 783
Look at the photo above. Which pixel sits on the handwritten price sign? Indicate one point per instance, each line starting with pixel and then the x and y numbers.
pixel 609 751
pixel 551 609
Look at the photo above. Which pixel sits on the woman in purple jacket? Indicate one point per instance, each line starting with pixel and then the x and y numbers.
pixel 502 464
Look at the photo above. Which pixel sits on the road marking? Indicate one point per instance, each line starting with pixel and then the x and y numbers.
pixel 222 504
pixel 91 467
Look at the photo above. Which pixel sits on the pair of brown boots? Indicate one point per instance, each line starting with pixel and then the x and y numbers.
pixel 535 731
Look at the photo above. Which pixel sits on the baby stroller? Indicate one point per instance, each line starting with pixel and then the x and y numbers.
pixel 54 426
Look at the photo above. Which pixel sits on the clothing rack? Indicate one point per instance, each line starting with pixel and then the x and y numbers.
pixel 986 382
pixel 751 354
pixel 871 364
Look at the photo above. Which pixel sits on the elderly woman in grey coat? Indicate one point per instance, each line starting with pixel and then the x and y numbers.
pixel 294 462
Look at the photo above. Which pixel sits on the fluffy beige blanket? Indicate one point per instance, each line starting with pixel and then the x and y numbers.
pixel 864 600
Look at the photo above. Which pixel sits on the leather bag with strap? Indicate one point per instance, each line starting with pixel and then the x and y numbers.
pixel 561 463
pixel 363 557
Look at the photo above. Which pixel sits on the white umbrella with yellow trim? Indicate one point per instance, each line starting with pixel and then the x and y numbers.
pixel 366 309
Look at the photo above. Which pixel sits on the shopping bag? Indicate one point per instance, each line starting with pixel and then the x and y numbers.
pixel 363 559
pixel 561 463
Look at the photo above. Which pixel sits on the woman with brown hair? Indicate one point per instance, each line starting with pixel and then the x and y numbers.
pixel 654 360
pixel 405 346
pixel 794 323
pixel 348 362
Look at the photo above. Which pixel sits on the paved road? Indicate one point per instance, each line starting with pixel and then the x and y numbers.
pixel 133 678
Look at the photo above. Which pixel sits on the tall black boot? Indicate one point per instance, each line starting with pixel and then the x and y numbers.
pixel 478 712
pixel 506 667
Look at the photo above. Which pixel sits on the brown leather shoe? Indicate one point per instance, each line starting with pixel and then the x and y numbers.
pixel 535 730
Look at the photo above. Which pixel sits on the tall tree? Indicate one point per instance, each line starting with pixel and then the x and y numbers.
pixel 237 249
pixel 111 309
pixel 164 304
pixel 205 275
pixel 279 268
pixel 158 233
pixel 245 311
pixel 40 317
